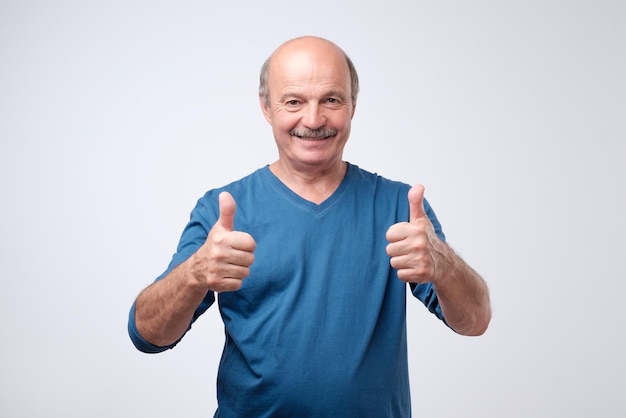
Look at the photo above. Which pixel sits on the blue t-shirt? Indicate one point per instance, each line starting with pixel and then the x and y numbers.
pixel 318 329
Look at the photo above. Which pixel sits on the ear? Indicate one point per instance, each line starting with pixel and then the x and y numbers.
pixel 267 113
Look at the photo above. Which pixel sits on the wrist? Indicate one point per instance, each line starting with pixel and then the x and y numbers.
pixel 443 262
pixel 195 274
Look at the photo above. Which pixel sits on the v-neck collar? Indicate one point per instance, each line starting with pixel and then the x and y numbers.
pixel 307 205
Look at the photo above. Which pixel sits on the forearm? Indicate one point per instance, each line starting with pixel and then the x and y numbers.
pixel 163 311
pixel 463 295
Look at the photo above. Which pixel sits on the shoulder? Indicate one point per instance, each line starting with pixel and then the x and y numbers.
pixel 388 187
pixel 392 194
pixel 236 188
pixel 251 193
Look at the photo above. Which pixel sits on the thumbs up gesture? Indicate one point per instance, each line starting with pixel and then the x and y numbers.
pixel 226 256
pixel 414 248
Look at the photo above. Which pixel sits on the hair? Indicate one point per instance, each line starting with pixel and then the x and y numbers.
pixel 264 90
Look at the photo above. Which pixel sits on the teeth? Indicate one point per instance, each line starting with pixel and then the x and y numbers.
pixel 313 138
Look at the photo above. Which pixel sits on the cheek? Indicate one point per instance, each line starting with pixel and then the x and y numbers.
pixel 343 121
pixel 285 121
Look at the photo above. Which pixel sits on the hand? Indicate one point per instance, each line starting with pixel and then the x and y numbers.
pixel 415 250
pixel 225 258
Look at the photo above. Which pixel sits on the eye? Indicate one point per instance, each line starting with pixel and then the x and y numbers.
pixel 332 100
pixel 292 102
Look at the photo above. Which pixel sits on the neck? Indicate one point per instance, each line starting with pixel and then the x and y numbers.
pixel 314 185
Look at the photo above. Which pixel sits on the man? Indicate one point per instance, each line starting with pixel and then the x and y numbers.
pixel 310 257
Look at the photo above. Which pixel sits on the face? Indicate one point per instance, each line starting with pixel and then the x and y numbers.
pixel 310 107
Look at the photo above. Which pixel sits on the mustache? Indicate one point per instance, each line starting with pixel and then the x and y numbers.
pixel 313 133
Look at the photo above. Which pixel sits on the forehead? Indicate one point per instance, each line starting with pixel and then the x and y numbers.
pixel 309 65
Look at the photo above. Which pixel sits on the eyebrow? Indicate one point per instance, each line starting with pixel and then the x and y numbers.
pixel 329 93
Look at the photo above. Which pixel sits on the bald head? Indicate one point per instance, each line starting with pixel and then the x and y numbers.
pixel 305 45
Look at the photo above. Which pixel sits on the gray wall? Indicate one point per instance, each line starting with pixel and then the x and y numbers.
pixel 116 116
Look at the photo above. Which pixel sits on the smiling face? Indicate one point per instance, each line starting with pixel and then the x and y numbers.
pixel 309 104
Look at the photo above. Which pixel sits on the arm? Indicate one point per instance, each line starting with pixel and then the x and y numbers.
pixel 164 310
pixel 420 256
pixel 463 295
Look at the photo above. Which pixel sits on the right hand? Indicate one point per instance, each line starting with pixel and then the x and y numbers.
pixel 225 258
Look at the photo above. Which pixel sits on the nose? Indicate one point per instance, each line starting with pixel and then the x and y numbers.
pixel 314 116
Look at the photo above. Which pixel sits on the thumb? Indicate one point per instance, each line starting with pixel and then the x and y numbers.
pixel 227 211
pixel 416 203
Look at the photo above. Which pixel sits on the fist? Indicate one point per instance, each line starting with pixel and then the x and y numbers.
pixel 226 256
pixel 413 245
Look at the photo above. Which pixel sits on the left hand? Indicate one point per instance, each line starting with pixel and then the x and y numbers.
pixel 415 250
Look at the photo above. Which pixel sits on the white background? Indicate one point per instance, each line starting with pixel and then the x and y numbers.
pixel 115 117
